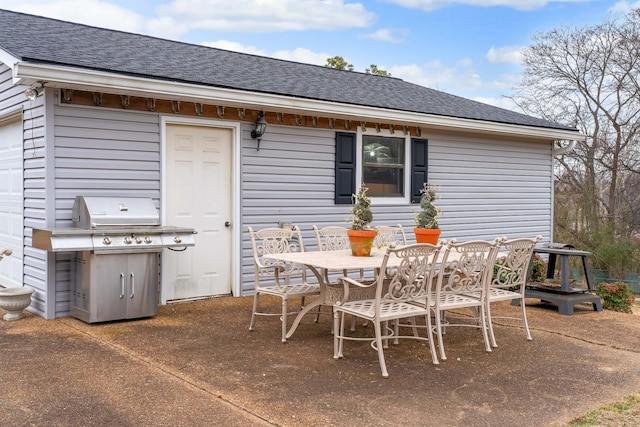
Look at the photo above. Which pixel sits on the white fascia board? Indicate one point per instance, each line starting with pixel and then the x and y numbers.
pixel 8 59
pixel 97 81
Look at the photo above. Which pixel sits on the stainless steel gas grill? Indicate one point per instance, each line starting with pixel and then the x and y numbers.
pixel 117 243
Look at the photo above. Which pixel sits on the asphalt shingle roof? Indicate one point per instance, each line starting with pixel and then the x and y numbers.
pixel 42 40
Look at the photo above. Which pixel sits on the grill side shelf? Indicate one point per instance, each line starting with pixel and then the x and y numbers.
pixel 72 240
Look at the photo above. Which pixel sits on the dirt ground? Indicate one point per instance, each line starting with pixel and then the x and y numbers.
pixel 618 414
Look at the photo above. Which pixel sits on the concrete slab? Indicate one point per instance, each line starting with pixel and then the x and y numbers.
pixel 196 363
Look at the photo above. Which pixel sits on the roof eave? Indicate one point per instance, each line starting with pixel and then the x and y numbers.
pixel 27 73
pixel 8 59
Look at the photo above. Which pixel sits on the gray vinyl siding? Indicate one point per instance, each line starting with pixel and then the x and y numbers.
pixel 100 152
pixel 492 187
pixel 488 187
pixel 33 125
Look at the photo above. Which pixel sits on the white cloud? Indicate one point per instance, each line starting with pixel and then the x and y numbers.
pixel 302 55
pixel 430 5
pixel 236 47
pixel 297 55
pixel 90 12
pixel 261 15
pixel 505 55
pixel 461 79
pixel 436 75
pixel 388 35
pixel 176 18
pixel 625 6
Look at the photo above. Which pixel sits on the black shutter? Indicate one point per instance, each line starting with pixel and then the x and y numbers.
pixel 345 167
pixel 419 162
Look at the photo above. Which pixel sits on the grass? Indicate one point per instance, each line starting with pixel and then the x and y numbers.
pixel 626 413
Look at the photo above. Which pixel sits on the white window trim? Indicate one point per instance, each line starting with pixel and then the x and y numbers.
pixel 407 165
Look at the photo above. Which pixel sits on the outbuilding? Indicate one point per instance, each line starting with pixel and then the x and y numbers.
pixel 110 113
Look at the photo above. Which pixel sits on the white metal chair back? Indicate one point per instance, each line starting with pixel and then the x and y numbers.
pixel 390 235
pixel 465 266
pixel 511 270
pixel 331 238
pixel 276 241
pixel 409 281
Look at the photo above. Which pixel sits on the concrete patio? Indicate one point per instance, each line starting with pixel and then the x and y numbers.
pixel 196 363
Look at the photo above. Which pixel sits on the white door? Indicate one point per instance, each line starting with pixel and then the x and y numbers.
pixel 11 202
pixel 198 195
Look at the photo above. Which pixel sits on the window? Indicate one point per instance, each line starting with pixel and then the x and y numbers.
pixel 387 164
pixel 383 165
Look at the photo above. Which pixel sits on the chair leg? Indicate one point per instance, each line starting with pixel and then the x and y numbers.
pixel 341 346
pixel 253 313
pixel 318 313
pixel 383 366
pixel 484 327
pixel 439 334
pixel 490 321
pixel 284 320
pixel 396 331
pixel 524 320
pixel 336 335
pixel 385 328
pixel 432 346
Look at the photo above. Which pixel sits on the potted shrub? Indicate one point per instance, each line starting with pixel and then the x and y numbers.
pixel 361 234
pixel 427 229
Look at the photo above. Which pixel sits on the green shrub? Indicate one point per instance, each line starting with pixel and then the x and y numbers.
pixel 538 271
pixel 616 296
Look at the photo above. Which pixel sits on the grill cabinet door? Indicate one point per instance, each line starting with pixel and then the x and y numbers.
pixel 109 287
pixel 142 281
pixel 115 286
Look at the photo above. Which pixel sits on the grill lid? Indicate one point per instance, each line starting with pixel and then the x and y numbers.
pixel 105 212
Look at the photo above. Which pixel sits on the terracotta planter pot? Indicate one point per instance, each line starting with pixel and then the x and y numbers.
pixel 361 241
pixel 427 235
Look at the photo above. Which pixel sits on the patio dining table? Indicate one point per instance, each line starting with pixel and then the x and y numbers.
pixel 318 261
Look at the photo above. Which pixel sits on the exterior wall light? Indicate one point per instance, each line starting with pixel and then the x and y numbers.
pixel 32 93
pixel 261 127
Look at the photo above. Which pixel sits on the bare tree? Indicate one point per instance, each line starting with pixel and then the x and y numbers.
pixel 590 77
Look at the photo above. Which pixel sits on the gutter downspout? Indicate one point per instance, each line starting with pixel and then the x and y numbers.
pixel 561 150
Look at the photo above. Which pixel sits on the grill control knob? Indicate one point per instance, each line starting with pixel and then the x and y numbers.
pixel 147 239
pixel 106 240
pixel 128 240
pixel 177 239
pixel 138 239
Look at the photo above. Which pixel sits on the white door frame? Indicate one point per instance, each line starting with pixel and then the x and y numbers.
pixel 236 231
pixel 15 116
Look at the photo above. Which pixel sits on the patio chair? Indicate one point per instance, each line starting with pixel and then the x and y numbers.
pixel 280 279
pixel 388 235
pixel 334 238
pixel 462 281
pixel 509 280
pixel 394 299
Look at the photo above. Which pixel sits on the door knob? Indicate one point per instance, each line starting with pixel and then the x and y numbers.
pixel 227 224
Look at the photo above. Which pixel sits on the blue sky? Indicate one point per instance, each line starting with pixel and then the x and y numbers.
pixel 468 48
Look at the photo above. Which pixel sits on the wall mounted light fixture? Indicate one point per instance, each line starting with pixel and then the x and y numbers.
pixel 32 93
pixel 261 127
